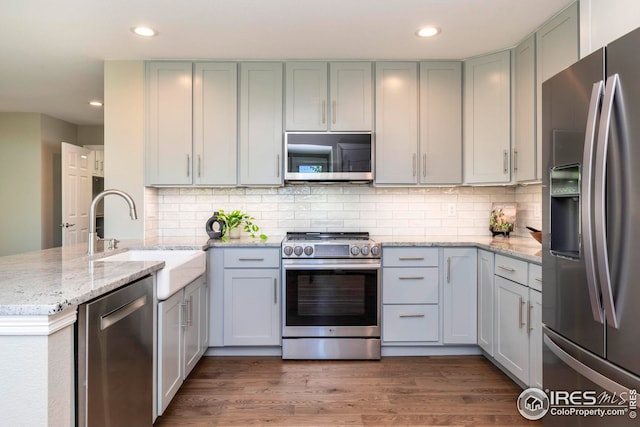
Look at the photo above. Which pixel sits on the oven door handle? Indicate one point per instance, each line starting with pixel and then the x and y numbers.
pixel 354 266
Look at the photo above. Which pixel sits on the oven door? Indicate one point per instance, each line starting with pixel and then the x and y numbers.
pixel 331 298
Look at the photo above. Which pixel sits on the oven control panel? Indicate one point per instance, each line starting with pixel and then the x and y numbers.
pixel 331 250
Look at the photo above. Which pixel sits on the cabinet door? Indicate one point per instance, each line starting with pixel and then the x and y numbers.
pixel 261 123
pixel 485 301
pixel 251 307
pixel 169 137
pixel 535 339
pixel 204 317
pixel 306 96
pixel 440 123
pixel 460 302
pixel 556 49
pixel 396 123
pixel 170 351
pixel 351 93
pixel 192 331
pixel 215 123
pixel 511 337
pixel 524 150
pixel 487 123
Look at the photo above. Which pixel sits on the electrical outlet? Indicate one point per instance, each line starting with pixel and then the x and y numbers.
pixel 536 211
pixel 451 209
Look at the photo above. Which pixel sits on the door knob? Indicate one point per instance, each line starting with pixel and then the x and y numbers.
pixel 66 225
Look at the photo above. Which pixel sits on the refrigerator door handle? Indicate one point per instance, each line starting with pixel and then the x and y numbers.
pixel 592 375
pixel 587 202
pixel 600 221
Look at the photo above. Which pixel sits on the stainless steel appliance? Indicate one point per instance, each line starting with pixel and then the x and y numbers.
pixel 591 226
pixel 328 156
pixel 115 358
pixel 331 303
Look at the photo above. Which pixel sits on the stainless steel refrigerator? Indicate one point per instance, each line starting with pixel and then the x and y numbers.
pixel 591 226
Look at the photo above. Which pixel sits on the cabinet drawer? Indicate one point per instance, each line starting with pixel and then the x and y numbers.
pixel 535 277
pixel 410 285
pixel 414 257
pixel 511 268
pixel 251 258
pixel 410 323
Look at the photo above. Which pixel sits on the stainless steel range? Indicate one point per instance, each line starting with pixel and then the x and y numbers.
pixel 331 296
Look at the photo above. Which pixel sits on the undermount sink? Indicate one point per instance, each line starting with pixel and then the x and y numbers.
pixel 181 267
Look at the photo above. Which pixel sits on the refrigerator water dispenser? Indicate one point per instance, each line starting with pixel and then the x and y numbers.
pixel 565 211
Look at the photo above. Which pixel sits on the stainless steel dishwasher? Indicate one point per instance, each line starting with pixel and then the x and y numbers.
pixel 115 358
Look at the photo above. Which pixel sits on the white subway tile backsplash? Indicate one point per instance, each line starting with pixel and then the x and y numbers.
pixel 384 211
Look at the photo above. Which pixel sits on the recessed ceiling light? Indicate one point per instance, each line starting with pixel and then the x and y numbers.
pixel 428 31
pixel 144 31
pixel 95 103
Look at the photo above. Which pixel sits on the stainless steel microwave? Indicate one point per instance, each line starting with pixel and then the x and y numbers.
pixel 328 156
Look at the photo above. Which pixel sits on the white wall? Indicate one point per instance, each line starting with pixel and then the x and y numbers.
pixel 602 21
pixel 90 135
pixel 124 145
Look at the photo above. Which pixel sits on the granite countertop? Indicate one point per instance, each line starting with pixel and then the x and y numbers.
pixel 246 241
pixel 52 280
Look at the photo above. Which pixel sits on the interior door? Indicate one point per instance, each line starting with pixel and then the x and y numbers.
pixel 76 194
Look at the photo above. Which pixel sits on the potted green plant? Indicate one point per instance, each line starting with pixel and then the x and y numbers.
pixel 232 221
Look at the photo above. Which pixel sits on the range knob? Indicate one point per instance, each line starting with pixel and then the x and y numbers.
pixel 375 250
pixel 288 250
pixel 308 250
pixel 365 250
pixel 355 250
pixel 297 250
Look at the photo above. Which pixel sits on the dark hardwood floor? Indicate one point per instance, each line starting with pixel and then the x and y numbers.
pixel 400 391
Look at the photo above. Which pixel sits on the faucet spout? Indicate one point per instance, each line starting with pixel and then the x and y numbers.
pixel 92 214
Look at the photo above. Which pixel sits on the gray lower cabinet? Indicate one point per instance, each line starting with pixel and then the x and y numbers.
pixel 182 337
pixel 260 138
pixel 245 297
pixel 459 296
pixel 485 301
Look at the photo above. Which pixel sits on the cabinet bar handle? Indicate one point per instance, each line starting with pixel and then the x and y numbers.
pixel 412 315
pixel 275 291
pixel 504 267
pixel 411 277
pixel 413 160
pixel 183 315
pixel 410 258
pixel 96 166
pixel 190 311
pixel 424 165
pixel 188 165
pixel 199 166
pixel 324 111
pixel 334 111
pixel 278 166
pixel 529 328
pixel 449 270
pixel 515 160
pixel 251 259
pixel 505 156
pixel 520 304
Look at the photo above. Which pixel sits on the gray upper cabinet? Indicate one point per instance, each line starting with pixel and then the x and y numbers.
pixel 215 123
pixel 261 123
pixel 396 123
pixel 335 96
pixel 487 119
pixel 557 47
pixel 440 123
pixel 524 144
pixel 169 127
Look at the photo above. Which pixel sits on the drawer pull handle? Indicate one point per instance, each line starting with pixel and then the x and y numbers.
pixel 251 259
pixel 529 325
pixel 412 315
pixel 411 277
pixel 504 267
pixel 411 258
pixel 520 322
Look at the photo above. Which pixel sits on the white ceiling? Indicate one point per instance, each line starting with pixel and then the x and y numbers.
pixel 52 52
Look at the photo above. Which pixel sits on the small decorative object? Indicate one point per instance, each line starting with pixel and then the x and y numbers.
pixel 535 233
pixel 502 220
pixel 233 220
pixel 214 226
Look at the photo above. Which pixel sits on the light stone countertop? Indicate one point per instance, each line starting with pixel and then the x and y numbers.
pixel 52 280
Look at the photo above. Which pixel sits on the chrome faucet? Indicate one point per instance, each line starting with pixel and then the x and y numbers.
pixel 92 214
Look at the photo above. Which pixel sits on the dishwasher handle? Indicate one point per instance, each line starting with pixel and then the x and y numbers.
pixel 120 313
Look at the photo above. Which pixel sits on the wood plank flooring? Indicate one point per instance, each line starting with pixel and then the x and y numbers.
pixel 398 391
